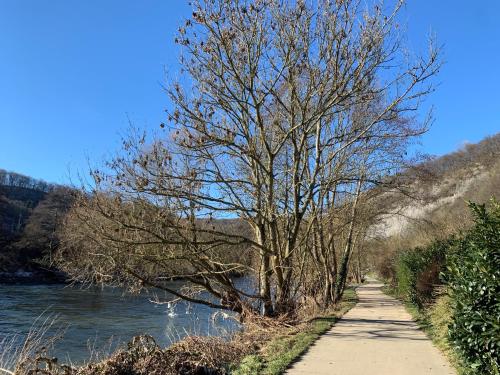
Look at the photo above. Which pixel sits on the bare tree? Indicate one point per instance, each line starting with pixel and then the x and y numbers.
pixel 288 113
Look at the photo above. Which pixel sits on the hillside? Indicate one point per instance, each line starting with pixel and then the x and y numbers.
pixel 30 211
pixel 436 204
pixel 444 187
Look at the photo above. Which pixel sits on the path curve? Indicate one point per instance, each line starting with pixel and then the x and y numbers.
pixel 376 337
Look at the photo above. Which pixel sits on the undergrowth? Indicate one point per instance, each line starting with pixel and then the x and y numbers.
pixel 463 272
pixel 279 353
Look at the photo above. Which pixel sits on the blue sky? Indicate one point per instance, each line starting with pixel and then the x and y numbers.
pixel 73 73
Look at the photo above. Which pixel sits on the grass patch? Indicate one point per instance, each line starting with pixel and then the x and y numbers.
pixel 277 355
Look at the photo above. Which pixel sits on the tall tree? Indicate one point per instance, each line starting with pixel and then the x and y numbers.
pixel 288 112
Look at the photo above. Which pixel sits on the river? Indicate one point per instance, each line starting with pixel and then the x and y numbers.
pixel 102 318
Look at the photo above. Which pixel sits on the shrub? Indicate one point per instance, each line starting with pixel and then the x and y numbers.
pixel 417 272
pixel 385 267
pixel 474 279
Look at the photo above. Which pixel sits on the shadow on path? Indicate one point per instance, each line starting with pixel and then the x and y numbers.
pixel 377 337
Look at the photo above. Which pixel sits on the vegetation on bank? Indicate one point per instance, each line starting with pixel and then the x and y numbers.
pixel 276 355
pixel 453 289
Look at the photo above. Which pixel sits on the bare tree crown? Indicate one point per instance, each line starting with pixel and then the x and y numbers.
pixel 287 114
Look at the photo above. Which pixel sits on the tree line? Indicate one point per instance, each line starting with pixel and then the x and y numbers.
pixel 18 180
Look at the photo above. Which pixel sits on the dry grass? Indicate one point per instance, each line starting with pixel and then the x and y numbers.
pixel 192 355
pixel 31 357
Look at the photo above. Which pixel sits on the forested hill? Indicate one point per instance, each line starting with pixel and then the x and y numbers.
pixel 30 212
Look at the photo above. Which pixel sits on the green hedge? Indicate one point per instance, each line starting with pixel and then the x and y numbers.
pixel 417 272
pixel 473 274
pixel 470 267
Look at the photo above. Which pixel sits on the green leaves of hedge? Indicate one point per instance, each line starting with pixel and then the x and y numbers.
pixel 473 274
pixel 417 271
pixel 471 268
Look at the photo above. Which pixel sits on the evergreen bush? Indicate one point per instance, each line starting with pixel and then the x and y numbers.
pixel 474 280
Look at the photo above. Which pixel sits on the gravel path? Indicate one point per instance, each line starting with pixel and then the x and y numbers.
pixel 377 337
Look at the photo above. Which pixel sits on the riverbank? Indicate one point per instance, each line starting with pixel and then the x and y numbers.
pixel 266 346
pixel 288 344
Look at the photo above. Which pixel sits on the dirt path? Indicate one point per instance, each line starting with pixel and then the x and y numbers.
pixel 377 337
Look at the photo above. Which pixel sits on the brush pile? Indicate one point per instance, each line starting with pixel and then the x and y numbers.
pixel 192 356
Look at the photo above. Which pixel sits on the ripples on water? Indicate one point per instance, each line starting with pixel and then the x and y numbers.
pixel 103 318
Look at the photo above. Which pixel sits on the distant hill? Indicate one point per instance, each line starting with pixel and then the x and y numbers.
pixel 30 211
pixel 440 189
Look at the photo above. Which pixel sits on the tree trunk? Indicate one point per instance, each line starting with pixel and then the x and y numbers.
pixel 344 263
pixel 264 276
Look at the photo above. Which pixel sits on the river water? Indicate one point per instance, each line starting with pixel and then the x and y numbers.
pixel 103 318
